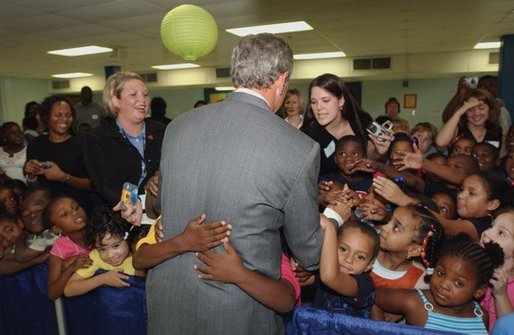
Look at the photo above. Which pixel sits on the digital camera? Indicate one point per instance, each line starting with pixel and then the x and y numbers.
pixel 380 130
pixel 44 165
pixel 472 82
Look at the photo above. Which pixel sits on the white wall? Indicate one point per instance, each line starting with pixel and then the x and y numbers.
pixel 16 92
pixel 432 96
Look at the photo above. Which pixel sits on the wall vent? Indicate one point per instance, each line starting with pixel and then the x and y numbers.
pixel 372 63
pixel 149 77
pixel 494 58
pixel 381 63
pixel 60 84
pixel 223 72
pixel 362 64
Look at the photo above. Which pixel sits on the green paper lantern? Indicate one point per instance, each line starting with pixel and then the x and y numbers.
pixel 189 31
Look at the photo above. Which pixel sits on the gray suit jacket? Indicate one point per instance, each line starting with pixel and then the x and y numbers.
pixel 237 161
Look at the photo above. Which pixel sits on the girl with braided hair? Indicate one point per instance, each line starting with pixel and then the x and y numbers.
pixel 411 237
pixel 413 234
pixel 461 274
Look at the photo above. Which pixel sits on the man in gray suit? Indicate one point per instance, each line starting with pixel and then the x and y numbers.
pixel 236 161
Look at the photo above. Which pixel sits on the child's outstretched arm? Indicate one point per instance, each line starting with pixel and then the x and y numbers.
pixel 329 273
pixel 9 264
pixel 415 160
pixel 78 285
pixel 59 273
pixel 24 253
pixel 197 236
pixel 501 297
pixel 454 227
pixel 402 301
pixel 227 267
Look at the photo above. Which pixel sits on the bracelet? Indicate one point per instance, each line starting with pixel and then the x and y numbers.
pixel 30 180
pixel 66 179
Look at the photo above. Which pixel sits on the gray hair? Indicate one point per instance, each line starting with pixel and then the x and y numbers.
pixel 258 60
pixel 114 86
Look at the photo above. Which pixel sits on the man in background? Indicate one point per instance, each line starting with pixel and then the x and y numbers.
pixel 87 112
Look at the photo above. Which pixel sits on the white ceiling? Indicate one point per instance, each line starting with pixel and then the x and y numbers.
pixel 29 28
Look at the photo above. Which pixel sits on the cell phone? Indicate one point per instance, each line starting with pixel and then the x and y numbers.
pixel 128 195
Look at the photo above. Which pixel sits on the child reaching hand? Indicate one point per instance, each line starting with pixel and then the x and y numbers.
pixel 108 232
pixel 479 197
pixel 346 258
pixel 197 236
pixel 461 274
pixel 280 294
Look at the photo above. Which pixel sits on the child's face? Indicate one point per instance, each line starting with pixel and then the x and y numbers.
pixel 446 205
pixel 13 135
pixel 454 282
pixel 355 251
pixel 67 216
pixel 8 200
pixel 472 200
pixel 9 233
pixel 398 234
pixel 502 232
pixel 400 147
pixel 424 139
pixel 347 156
pixel 31 213
pixel 485 156
pixel 463 146
pixel 113 249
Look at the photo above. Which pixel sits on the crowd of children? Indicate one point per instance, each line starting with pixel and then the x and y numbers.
pixel 427 236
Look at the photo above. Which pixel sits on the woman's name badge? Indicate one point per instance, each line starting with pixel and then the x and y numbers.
pixel 330 149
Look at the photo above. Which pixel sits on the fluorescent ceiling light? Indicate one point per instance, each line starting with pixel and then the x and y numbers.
pixel 320 55
pixel 82 51
pixel 72 75
pixel 225 88
pixel 488 45
pixel 175 66
pixel 278 28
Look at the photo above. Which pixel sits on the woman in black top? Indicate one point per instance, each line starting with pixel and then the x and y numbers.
pixel 332 113
pixel 127 148
pixel 55 161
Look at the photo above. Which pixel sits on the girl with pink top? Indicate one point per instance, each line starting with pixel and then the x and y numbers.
pixel 70 252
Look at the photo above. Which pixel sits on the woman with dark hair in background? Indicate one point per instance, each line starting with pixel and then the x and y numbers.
pixel 32 124
pixel 332 113
pixel 477 117
pixel 55 161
